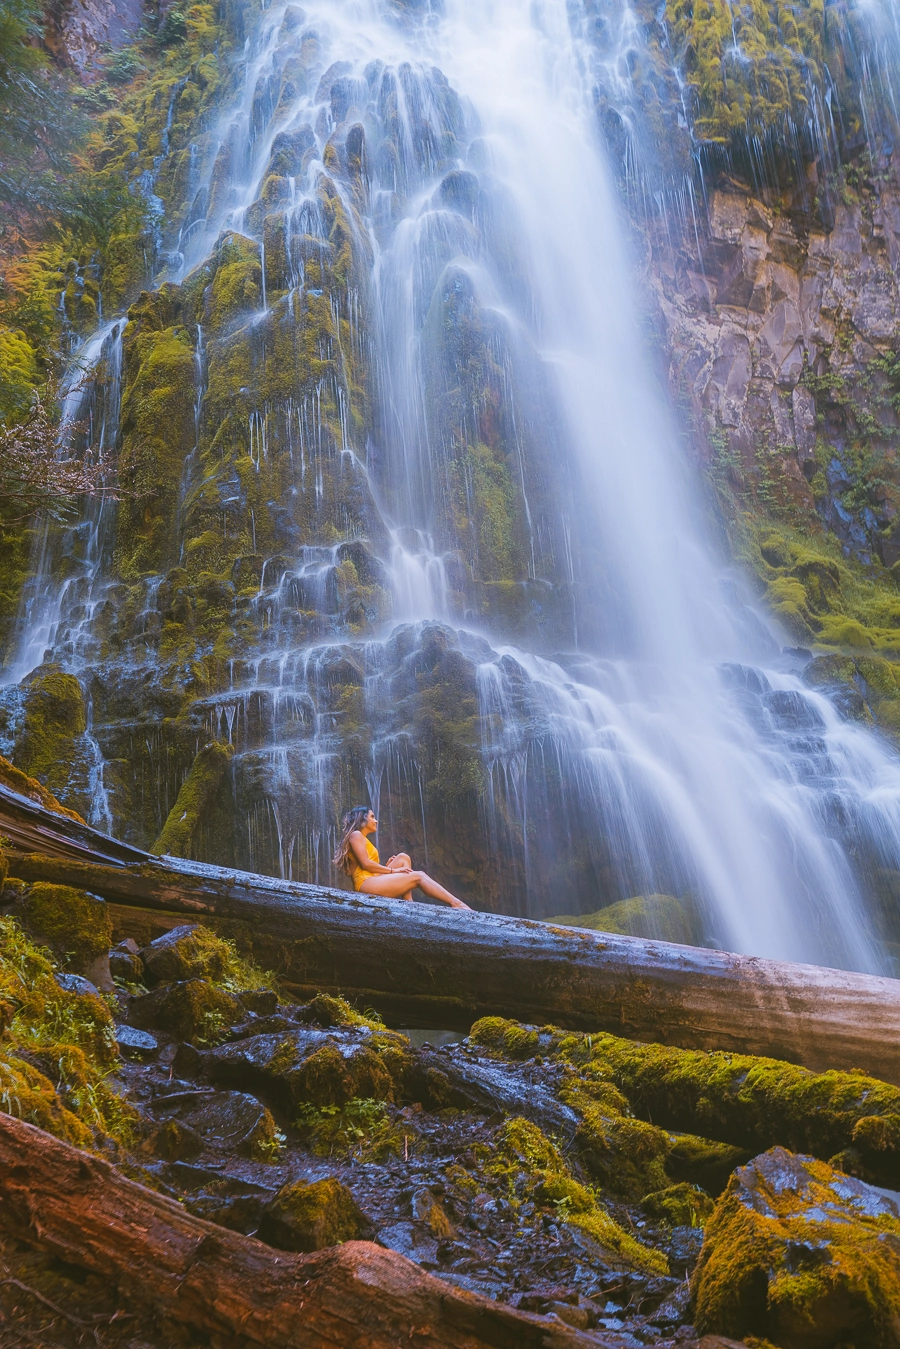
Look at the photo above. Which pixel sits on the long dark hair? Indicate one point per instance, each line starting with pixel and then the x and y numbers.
pixel 354 819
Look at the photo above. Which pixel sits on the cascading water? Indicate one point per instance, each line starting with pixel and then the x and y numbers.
pixel 471 445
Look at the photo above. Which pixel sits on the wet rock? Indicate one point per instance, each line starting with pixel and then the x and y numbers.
pixel 75 983
pixel 187 952
pixel 175 1141
pixel 260 1001
pixel 125 963
pixel 800 1254
pixel 264 1025
pixel 235 1121
pixel 411 1240
pixel 136 1042
pixel 308 1217
pixel 194 1010
pixel 304 1066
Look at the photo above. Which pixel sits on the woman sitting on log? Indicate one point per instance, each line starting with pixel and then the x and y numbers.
pixel 358 856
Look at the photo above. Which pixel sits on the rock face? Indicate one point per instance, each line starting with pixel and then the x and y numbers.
pixel 777 329
pixel 801 1254
pixel 80 32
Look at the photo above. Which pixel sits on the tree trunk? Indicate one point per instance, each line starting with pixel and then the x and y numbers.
pixel 198 1276
pixel 421 965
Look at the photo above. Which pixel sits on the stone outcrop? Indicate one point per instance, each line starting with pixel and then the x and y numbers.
pixel 776 323
pixel 802 1255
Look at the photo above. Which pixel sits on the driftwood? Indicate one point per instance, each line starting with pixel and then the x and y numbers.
pixel 204 1278
pixel 426 966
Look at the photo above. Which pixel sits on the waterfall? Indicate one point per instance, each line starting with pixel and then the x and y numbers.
pixel 510 508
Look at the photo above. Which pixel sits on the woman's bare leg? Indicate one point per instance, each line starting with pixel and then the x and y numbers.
pixel 401 884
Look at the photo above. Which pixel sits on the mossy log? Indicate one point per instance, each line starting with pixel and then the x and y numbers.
pixel 420 965
pixel 208 1280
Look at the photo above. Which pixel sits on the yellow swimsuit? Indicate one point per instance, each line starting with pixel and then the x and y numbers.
pixel 359 874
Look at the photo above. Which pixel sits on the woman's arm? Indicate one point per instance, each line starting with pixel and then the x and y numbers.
pixel 358 847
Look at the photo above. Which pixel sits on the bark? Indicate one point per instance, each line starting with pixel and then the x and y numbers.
pixel 204 1278
pixel 421 965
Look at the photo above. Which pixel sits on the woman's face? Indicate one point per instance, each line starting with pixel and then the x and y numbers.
pixel 371 822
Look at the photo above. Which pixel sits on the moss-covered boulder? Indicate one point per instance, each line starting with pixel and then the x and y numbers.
pixel 656 916
pixel 802 1255
pixel 310 1068
pixel 75 925
pixel 305 1217
pixel 196 953
pixel 194 1010
pixel 197 791
pixel 49 745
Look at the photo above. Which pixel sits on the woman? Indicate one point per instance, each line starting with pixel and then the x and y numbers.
pixel 359 858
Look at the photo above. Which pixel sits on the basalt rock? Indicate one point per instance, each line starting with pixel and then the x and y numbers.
pixel 800 1254
pixel 308 1217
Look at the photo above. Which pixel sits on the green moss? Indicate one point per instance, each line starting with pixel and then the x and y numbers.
pixel 362 1128
pixel 193 800
pixel 746 1101
pixel 309 1217
pixel 195 1011
pixel 76 925
pixel 54 719
pixel 69 1048
pixel 681 1205
pixel 789 1255
pixel 237 284
pixel 157 433
pixel 506 1038
pixel 327 1078
pixel 521 1146
pixel 20 782
pixel 327 1010
pixel 656 916
pixel 750 68
pixel 199 953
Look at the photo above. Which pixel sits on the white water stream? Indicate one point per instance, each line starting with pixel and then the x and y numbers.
pixel 677 732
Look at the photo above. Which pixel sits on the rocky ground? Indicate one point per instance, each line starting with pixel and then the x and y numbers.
pixel 528 1165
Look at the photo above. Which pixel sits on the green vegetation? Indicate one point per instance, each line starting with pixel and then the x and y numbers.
pixel 308 1217
pixel 659 916
pixel 58 1050
pixel 750 67
pixel 197 791
pixel 744 1101
pixel 791 1254
pixel 76 926
pixel 521 1144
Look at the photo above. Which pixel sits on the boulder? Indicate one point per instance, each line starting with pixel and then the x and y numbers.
pixel 193 1010
pixel 305 1217
pixel 187 952
pixel 303 1067
pixel 75 925
pixel 125 962
pixel 802 1255
pixel 236 1122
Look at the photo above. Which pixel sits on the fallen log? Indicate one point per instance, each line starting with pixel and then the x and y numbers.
pixel 420 965
pixel 207 1279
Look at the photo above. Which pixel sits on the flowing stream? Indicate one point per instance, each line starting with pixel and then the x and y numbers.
pixel 658 741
